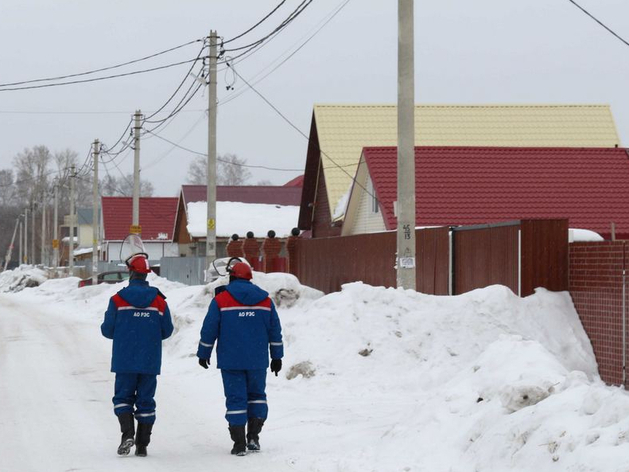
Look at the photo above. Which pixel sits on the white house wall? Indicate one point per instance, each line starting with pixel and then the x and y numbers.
pixel 365 219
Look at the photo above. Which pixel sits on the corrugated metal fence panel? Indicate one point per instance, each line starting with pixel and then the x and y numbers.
pixel 328 263
pixel 485 256
pixel 186 270
pixel 432 253
pixel 545 255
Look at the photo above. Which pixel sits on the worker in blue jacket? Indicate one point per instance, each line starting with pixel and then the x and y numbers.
pixel 243 319
pixel 137 320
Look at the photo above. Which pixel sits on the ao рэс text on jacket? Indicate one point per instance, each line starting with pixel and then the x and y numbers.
pixel 244 321
pixel 137 320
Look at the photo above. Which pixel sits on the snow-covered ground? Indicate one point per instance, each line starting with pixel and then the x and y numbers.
pixel 374 379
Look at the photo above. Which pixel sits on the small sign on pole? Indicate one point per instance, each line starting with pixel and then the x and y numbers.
pixel 135 229
pixel 55 244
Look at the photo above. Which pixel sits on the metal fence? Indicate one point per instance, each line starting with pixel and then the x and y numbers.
pixel 186 270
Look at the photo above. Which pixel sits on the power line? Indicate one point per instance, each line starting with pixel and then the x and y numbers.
pixel 256 25
pixel 224 160
pixel 98 78
pixel 61 77
pixel 326 21
pixel 305 136
pixel 598 21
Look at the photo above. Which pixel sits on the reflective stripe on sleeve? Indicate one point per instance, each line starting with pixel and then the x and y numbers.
pixel 236 412
pixel 205 345
pixel 277 344
pixel 243 308
pixel 257 401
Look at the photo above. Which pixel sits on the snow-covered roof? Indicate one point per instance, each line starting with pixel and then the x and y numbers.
pixel 239 218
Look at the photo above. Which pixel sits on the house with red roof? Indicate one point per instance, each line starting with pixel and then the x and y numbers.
pixel 267 197
pixel 477 185
pixel 157 220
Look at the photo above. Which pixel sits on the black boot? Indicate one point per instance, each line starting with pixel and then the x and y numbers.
pixel 127 427
pixel 143 438
pixel 254 426
pixel 237 434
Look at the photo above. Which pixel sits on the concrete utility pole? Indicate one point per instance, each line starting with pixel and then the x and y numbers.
pixel 43 228
pixel 10 250
pixel 71 235
pixel 20 261
pixel 210 240
pixel 406 276
pixel 95 219
pixel 55 229
pixel 26 236
pixel 33 260
pixel 135 224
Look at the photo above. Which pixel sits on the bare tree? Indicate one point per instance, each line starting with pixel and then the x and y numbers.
pixel 122 186
pixel 264 183
pixel 33 173
pixel 7 188
pixel 230 170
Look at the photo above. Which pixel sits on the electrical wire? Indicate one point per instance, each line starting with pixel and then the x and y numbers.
pixel 178 88
pixel 61 77
pixel 598 21
pixel 235 95
pixel 96 79
pixel 304 135
pixel 225 160
pixel 256 25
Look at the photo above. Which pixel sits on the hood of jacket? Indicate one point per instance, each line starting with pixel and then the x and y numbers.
pixel 138 293
pixel 246 293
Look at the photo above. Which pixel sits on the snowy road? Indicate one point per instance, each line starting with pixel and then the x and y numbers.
pixel 55 403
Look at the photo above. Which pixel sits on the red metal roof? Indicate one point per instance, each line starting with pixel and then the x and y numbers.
pixel 275 195
pixel 157 215
pixel 475 185
pixel 296 182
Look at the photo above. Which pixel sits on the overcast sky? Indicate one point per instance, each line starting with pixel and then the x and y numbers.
pixel 466 52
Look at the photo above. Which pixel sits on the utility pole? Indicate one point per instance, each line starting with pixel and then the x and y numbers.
pixel 95 219
pixel 26 235
pixel 71 239
pixel 406 271
pixel 135 224
pixel 20 262
pixel 33 260
pixel 210 239
pixel 10 250
pixel 43 228
pixel 55 226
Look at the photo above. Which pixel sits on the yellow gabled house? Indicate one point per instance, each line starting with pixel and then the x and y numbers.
pixel 338 134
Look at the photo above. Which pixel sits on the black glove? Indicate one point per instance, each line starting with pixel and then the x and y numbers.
pixel 276 365
pixel 204 363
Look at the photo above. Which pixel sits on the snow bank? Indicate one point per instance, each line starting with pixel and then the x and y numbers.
pixel 22 277
pixel 385 380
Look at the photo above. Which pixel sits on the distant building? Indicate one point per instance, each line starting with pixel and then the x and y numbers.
pixel 157 220
pixel 239 209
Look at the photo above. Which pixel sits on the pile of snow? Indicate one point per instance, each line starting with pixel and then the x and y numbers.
pixel 373 379
pixel 582 235
pixel 239 218
pixel 22 277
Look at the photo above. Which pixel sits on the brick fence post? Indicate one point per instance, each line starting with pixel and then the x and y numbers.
pixel 291 250
pixel 271 249
pixel 235 247
pixel 252 251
